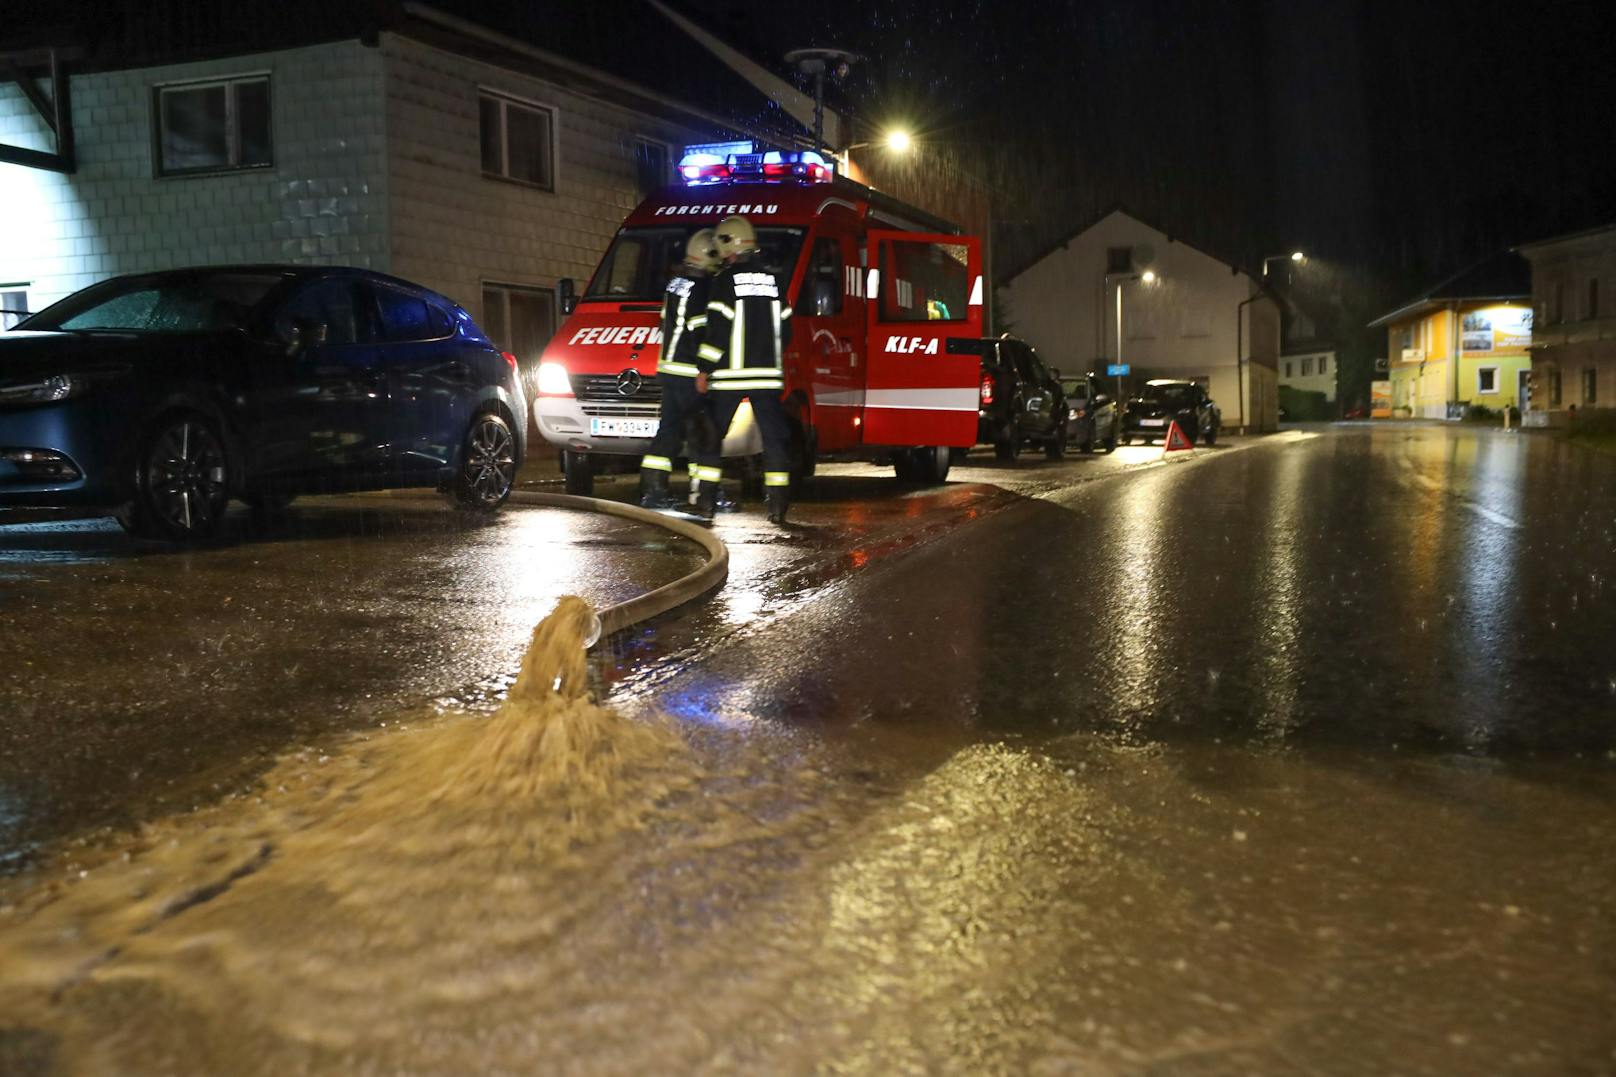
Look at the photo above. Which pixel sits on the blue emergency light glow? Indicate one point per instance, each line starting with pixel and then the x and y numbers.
pixel 702 167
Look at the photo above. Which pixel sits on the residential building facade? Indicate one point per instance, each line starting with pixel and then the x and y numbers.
pixel 1463 342
pixel 1574 340
pixel 1122 291
pixel 475 171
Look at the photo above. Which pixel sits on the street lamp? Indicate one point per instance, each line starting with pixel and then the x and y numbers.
pixel 1148 277
pixel 1296 256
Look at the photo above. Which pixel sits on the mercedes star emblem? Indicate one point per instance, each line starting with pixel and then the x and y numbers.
pixel 629 382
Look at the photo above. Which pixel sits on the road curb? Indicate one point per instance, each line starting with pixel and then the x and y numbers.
pixel 623 615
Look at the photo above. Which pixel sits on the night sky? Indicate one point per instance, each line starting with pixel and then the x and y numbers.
pixel 1399 139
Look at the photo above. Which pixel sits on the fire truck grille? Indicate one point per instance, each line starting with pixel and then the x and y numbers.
pixel 621 410
pixel 602 389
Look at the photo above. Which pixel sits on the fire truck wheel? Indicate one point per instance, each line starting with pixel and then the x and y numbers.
pixel 927 465
pixel 578 471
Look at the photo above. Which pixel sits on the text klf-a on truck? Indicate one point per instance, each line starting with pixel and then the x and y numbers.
pixel 878 289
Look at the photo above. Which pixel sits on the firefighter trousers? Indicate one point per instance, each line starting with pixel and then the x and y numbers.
pixel 685 419
pixel 770 413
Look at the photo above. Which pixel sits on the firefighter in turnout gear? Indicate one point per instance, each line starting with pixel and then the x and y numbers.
pixel 684 414
pixel 748 327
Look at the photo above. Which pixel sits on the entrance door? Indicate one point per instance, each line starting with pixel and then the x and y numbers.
pixel 924 291
pixel 1523 389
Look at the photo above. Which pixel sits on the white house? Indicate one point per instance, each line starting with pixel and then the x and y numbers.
pixel 452 156
pixel 1179 313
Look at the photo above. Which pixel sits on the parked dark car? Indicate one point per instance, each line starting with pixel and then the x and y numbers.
pixel 1021 400
pixel 1154 408
pixel 1091 414
pixel 162 396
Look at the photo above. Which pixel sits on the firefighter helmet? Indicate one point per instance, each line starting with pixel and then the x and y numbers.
pixel 701 252
pixel 735 237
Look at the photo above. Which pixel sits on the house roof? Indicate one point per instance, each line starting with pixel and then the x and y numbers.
pixel 1567 236
pixel 1118 207
pixel 1504 275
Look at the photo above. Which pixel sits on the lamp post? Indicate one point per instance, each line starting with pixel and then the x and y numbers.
pixel 1148 277
pixel 1295 256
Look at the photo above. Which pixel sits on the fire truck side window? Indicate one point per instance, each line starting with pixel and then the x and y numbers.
pixel 923 282
pixel 822 286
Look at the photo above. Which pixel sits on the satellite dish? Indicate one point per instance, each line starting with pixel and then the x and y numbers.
pixel 1144 256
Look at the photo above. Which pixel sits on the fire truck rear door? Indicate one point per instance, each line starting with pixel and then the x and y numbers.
pixel 922 291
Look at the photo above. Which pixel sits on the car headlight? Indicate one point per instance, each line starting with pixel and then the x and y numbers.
pixel 46 391
pixel 553 380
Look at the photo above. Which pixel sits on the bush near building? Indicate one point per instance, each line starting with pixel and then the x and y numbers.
pixel 1302 406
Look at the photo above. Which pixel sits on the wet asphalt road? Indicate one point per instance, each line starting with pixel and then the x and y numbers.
pixel 1296 757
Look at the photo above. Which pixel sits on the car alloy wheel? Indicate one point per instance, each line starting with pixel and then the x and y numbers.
pixel 488 467
pixel 184 481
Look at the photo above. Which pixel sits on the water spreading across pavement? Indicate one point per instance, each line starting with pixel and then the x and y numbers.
pixel 364 891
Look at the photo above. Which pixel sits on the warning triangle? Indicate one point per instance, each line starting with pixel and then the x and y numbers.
pixel 1176 441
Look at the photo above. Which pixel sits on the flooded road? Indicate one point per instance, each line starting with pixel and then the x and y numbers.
pixel 1291 758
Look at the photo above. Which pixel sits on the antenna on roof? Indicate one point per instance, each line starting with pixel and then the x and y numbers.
pixel 816 62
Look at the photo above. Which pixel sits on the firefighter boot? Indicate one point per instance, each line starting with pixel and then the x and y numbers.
pixel 654 489
pixel 779 499
pixel 707 500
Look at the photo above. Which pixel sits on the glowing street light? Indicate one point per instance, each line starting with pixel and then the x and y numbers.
pixel 1148 277
pixel 899 140
pixel 1296 256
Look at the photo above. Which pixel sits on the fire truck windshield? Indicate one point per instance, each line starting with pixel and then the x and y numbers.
pixel 637 266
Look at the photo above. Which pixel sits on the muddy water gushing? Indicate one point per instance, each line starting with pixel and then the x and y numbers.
pixel 366 894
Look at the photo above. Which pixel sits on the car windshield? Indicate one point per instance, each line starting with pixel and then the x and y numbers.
pixel 640 260
pixel 1172 396
pixel 187 304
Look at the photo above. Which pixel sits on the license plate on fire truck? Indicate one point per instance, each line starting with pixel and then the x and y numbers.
pixel 623 428
pixel 1152 422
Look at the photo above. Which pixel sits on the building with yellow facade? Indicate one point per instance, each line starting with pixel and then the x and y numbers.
pixel 1464 342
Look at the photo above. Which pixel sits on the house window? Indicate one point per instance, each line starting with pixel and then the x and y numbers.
pixel 1487 380
pixel 218 126
pixel 518 140
pixel 521 320
pixel 1307 368
pixel 1593 297
pixel 1554 387
pixel 13 305
pixel 1288 374
pixel 1324 364
pixel 1590 385
pixel 1119 259
pixel 651 172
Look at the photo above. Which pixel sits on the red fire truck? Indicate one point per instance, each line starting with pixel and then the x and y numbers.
pixel 884 297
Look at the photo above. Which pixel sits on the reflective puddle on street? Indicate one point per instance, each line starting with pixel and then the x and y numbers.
pixel 560 886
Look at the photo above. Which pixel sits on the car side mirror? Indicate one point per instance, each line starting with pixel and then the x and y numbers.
pixel 306 333
pixel 567 293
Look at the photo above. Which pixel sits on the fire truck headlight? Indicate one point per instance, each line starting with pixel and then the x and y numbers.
pixel 553 380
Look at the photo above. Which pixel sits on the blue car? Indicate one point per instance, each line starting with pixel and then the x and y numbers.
pixel 162 396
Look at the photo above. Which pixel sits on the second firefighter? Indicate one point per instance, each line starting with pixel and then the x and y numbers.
pixel 748 327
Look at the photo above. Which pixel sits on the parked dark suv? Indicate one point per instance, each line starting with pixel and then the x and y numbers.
pixel 163 396
pixel 1022 402
pixel 1160 403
